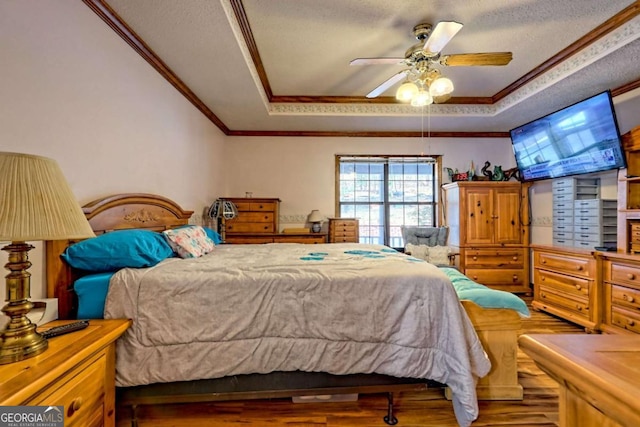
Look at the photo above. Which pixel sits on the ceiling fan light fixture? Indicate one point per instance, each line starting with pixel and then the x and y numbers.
pixel 441 86
pixel 406 91
pixel 421 99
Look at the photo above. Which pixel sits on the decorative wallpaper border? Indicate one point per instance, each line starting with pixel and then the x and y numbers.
pixel 542 221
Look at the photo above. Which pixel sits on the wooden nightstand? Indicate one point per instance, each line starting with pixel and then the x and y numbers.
pixel 77 371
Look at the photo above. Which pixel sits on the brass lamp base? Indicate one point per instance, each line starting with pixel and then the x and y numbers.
pixel 19 339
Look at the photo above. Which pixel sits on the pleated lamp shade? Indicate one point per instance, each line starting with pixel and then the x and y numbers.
pixel 36 202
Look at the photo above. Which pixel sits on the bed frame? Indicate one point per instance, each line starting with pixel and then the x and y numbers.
pixel 496 328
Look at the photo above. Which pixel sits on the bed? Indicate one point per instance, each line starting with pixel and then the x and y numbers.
pixel 496 329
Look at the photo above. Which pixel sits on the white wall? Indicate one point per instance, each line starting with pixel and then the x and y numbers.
pixel 301 170
pixel 74 91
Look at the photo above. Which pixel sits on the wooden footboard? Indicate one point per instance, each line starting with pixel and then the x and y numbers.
pixel 498 331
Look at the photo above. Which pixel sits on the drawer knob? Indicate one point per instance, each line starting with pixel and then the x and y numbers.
pixel 627 298
pixel 475 258
pixel 630 322
pixel 266 227
pixel 475 277
pixel 515 277
pixel 515 258
pixel 579 268
pixel 544 261
pixel 578 307
pixel 578 287
pixel 75 406
pixel 543 279
pixel 543 295
pixel 631 276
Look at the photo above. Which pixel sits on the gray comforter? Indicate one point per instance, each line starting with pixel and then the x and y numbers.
pixel 336 308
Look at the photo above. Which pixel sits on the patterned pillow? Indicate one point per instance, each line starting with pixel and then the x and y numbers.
pixel 439 255
pixel 189 242
pixel 418 251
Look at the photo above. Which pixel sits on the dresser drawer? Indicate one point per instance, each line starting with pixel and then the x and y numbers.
pixel 491 277
pixel 494 258
pixel 576 305
pixel 81 391
pixel 344 224
pixel 625 297
pixel 625 319
pixel 251 217
pixel 624 274
pixel 250 206
pixel 343 239
pixel 249 227
pixel 565 283
pixel 344 233
pixel 563 263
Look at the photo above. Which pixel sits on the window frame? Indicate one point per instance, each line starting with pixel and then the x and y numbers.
pixel 387 159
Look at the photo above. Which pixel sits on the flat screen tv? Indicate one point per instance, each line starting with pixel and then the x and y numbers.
pixel 579 139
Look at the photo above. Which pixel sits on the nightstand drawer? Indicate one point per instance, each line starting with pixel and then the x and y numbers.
pixel 81 391
pixel 496 277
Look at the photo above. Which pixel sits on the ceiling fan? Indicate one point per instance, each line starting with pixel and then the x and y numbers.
pixel 424 83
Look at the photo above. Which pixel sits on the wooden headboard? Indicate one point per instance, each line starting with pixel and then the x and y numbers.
pixel 116 212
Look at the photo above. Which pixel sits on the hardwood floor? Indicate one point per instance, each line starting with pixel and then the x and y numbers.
pixel 429 408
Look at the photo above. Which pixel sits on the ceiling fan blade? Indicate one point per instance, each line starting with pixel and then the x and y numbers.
pixel 376 61
pixel 468 59
pixel 387 84
pixel 441 35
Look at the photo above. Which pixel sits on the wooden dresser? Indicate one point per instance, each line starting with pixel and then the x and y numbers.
pixel 565 284
pixel 344 230
pixel 598 376
pixel 77 371
pixel 257 222
pixel 489 222
pixel 621 291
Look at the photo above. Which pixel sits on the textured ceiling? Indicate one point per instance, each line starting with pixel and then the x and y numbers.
pixel 305 46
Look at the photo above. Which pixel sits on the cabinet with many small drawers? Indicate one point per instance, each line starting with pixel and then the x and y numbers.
pixel 621 288
pixel 565 284
pixel 595 223
pixel 566 193
pixel 343 230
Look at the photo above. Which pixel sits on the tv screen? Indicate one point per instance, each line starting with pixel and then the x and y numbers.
pixel 582 138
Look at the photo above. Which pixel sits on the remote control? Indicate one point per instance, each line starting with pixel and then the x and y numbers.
pixel 64 329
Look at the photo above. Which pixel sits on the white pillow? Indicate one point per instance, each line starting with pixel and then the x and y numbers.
pixel 418 251
pixel 439 255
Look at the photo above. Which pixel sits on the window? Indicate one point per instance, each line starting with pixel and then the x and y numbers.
pixel 386 192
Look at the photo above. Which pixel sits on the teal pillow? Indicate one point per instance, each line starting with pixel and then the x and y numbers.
pixel 118 249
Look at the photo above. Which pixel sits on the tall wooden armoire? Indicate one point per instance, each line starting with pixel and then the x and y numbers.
pixel 489 224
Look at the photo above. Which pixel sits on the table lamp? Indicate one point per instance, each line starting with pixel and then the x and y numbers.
pixel 315 218
pixel 36 203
